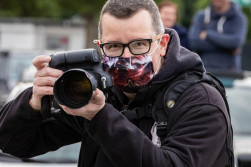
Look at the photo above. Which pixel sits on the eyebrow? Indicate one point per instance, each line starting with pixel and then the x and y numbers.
pixel 127 42
pixel 112 42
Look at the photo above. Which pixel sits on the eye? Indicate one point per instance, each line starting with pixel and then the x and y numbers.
pixel 139 44
pixel 113 46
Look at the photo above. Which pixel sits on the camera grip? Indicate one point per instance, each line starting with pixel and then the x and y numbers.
pixel 46 106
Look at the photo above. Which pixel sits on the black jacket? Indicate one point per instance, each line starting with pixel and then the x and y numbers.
pixel 196 135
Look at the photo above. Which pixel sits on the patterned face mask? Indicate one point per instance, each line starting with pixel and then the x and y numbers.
pixel 130 73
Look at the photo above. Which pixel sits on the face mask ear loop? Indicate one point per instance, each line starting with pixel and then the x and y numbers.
pixel 156 47
pixel 158 67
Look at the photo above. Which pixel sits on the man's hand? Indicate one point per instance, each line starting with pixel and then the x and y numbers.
pixel 203 35
pixel 96 103
pixel 237 51
pixel 44 80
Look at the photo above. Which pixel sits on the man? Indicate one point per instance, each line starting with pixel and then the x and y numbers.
pixel 169 12
pixel 132 40
pixel 218 34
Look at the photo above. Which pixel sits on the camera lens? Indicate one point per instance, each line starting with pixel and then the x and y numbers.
pixel 78 87
pixel 74 88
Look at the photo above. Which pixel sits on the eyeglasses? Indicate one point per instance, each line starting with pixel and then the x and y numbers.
pixel 136 47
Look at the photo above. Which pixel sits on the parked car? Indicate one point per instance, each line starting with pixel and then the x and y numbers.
pixel 4 92
pixel 239 97
pixel 12 63
pixel 26 81
pixel 66 156
pixel 238 90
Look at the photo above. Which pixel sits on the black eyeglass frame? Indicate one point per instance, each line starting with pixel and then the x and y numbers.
pixel 157 37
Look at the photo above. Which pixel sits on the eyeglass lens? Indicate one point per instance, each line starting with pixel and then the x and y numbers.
pixel 135 47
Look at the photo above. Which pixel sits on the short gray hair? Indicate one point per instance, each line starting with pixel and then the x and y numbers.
pixel 127 8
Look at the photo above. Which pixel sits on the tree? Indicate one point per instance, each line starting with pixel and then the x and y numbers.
pixel 90 10
pixel 62 9
pixel 29 8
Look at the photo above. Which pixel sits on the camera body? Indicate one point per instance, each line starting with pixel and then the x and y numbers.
pixel 83 73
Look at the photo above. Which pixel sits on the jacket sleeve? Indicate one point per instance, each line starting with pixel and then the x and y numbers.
pixel 25 133
pixel 184 39
pixel 195 43
pixel 188 142
pixel 230 41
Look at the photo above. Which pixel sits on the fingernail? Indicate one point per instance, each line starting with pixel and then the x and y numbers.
pixel 47 58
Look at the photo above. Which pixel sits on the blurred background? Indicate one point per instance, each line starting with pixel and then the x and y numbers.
pixel 61 16
pixel 32 27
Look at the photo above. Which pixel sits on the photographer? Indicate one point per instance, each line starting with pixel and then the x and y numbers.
pixel 143 62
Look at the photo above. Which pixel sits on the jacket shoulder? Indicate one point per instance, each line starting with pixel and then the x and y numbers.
pixel 202 94
pixel 199 15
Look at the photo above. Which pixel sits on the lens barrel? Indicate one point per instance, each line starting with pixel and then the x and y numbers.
pixel 74 88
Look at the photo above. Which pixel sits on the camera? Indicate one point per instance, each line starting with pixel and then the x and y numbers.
pixel 83 73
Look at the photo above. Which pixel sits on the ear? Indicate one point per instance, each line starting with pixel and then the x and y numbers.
pixel 163 44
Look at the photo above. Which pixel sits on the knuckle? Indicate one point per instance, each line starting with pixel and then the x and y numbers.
pixel 36 74
pixel 36 90
pixel 35 81
pixel 51 81
pixel 45 72
pixel 48 90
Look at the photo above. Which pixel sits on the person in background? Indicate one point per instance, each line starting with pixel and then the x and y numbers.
pixel 169 12
pixel 218 34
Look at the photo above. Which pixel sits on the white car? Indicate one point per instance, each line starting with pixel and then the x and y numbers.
pixel 239 98
pixel 26 81
pixel 238 91
pixel 66 156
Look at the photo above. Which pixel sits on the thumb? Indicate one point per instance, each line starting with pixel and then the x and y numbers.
pixel 98 97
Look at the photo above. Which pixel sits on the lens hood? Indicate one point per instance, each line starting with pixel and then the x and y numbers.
pixel 74 88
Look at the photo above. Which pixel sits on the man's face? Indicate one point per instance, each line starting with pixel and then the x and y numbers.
pixel 125 30
pixel 168 16
pixel 219 3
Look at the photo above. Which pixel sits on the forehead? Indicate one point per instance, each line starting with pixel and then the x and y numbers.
pixel 168 8
pixel 125 29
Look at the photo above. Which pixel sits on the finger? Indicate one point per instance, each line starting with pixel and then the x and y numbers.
pixel 98 97
pixel 47 71
pixel 44 81
pixel 40 61
pixel 42 90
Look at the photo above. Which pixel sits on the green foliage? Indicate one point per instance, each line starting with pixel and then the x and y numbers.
pixel 198 5
pixel 84 8
pixel 247 12
pixel 29 8
pixel 90 9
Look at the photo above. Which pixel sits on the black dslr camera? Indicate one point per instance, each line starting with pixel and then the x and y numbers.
pixel 83 73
